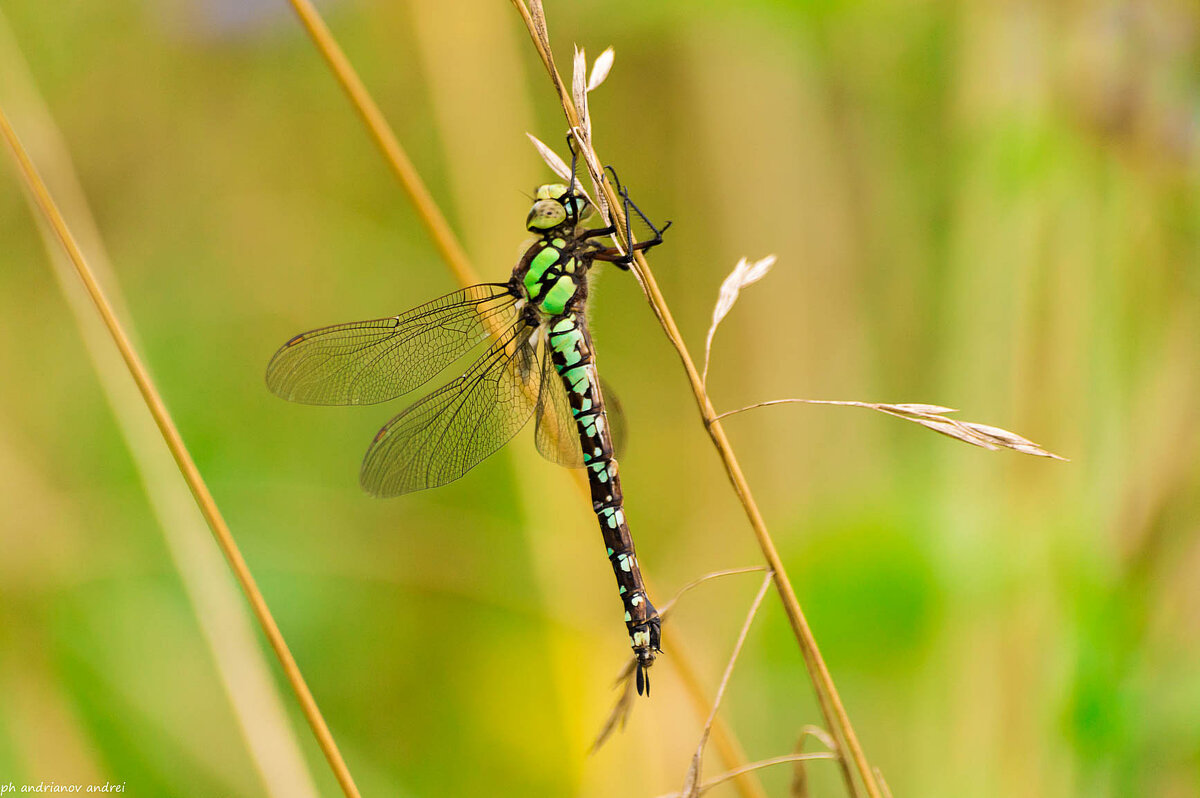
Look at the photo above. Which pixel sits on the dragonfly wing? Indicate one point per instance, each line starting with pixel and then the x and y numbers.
pixel 618 427
pixel 451 430
pixel 373 361
pixel 557 436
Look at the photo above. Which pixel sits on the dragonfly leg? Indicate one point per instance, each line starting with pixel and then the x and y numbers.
pixel 574 160
pixel 628 205
pixel 598 232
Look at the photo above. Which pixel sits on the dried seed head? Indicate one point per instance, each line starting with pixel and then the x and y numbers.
pixel 743 274
pixel 600 69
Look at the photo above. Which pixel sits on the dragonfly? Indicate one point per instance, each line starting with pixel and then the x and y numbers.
pixel 537 360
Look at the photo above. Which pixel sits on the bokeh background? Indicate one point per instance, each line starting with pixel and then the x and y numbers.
pixel 989 206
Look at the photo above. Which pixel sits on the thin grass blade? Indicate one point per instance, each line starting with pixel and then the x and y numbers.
pixel 692 780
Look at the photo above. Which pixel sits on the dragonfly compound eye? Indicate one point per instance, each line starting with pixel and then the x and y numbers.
pixel 550 191
pixel 545 214
pixel 577 207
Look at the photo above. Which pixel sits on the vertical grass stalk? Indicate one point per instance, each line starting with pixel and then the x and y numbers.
pixel 728 748
pixel 827 696
pixel 183 459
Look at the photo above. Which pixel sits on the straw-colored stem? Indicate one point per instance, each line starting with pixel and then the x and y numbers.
pixel 765 763
pixel 691 783
pixel 827 696
pixel 452 252
pixel 427 210
pixel 183 458
pixel 728 749
pixel 239 661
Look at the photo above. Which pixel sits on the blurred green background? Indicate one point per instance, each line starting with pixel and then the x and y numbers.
pixel 987 206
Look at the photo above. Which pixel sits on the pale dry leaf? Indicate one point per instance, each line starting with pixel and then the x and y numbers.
pixel 744 273
pixel 579 93
pixel 556 164
pixel 601 68
pixel 951 429
pixel 1010 438
pixel 982 435
pixel 919 408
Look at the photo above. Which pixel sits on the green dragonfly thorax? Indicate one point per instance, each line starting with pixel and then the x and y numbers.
pixel 551 273
pixel 553 276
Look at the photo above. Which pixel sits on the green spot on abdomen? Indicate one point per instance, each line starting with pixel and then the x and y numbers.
pixel 577 376
pixel 565 325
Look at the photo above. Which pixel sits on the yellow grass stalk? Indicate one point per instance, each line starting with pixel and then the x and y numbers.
pixel 183 458
pixel 456 260
pixel 830 701
pixel 240 663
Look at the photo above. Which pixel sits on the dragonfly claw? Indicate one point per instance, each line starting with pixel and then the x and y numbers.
pixel 643 680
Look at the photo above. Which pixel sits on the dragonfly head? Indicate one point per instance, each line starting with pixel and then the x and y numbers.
pixel 556 207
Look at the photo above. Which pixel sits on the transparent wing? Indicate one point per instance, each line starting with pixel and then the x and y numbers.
pixel 557 436
pixel 618 427
pixel 373 361
pixel 451 430
pixel 555 433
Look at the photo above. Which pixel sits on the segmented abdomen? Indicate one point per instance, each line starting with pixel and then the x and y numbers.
pixel 571 351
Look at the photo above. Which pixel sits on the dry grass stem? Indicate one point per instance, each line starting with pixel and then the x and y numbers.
pixel 723 740
pixel 226 628
pixel 624 703
pixel 183 460
pixel 753 766
pixel 931 417
pixel 460 267
pixel 692 780
pixel 538 20
pixel 887 791
pixel 799 788
pixel 670 605
pixel 827 696
pixel 427 210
